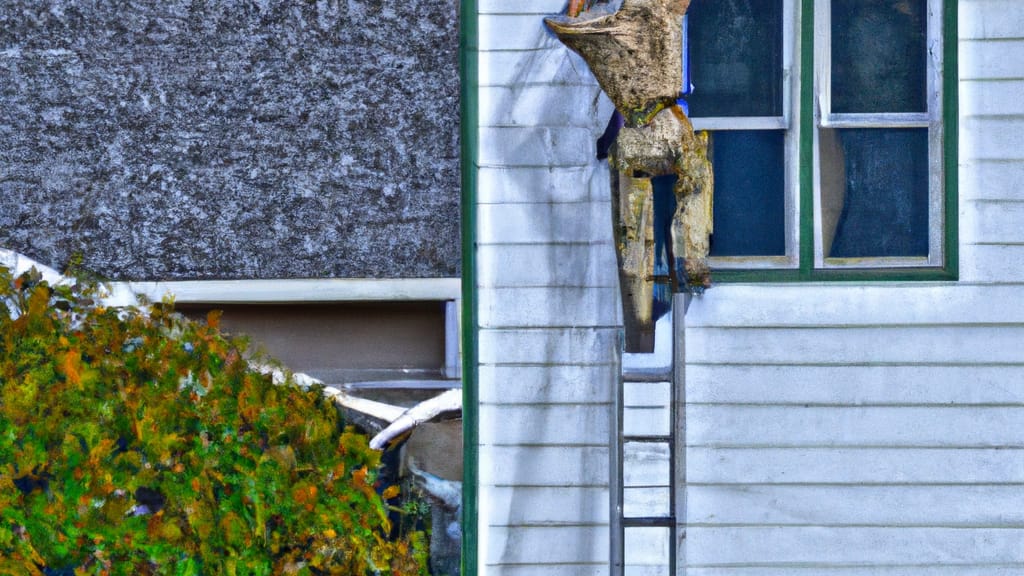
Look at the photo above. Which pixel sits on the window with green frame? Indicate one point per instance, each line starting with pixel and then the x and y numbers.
pixel 832 135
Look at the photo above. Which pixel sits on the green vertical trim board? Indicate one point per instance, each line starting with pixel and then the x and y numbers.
pixel 951 134
pixel 469 119
pixel 806 191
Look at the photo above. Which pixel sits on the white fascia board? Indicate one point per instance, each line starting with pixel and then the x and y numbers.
pixel 262 291
pixel 297 290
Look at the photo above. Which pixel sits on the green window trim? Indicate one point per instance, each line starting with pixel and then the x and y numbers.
pixel 806 270
pixel 469 147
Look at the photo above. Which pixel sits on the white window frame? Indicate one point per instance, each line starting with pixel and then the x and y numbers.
pixel 790 122
pixel 827 210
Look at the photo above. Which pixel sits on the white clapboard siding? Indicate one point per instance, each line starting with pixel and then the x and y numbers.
pixel 854 545
pixel 541 184
pixel 796 426
pixel 534 7
pixel 916 569
pixel 544 66
pixel 854 465
pixel 561 569
pixel 847 304
pixel 997 180
pixel 1004 134
pixel 531 105
pixel 887 505
pixel 541 223
pixel 554 345
pixel 548 544
pixel 998 263
pixel 854 386
pixel 876 429
pixel 928 343
pixel 547 303
pixel 525 384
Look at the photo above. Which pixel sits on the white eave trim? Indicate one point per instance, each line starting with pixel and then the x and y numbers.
pixel 262 291
pixel 298 290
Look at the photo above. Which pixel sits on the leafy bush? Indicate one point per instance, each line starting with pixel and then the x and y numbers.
pixel 134 441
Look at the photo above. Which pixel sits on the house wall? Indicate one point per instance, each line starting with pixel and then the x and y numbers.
pixel 876 429
pixel 869 429
pixel 181 139
pixel 547 289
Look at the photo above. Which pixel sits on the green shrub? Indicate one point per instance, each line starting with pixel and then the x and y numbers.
pixel 134 441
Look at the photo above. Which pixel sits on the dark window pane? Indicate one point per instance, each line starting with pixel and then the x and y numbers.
pixel 885 212
pixel 750 205
pixel 879 56
pixel 664 209
pixel 736 57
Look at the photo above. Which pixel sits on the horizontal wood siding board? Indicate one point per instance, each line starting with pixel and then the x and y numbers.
pixel 530 146
pixel 992 60
pixel 534 7
pixel 854 385
pixel 529 105
pixel 543 184
pixel 545 424
pixel 998 137
pixel 547 293
pixel 571 265
pixel 809 505
pixel 993 222
pixel 998 569
pixel 564 466
pixel 566 307
pixel 547 224
pixel 530 33
pixel 549 345
pixel 857 345
pixel 550 505
pixel 987 19
pixel 994 264
pixel 541 66
pixel 825 545
pixel 853 466
pixel 845 304
pixel 542 545
pixel 987 99
pixel 779 426
pixel 588 569
pixel 526 384
pixel 993 180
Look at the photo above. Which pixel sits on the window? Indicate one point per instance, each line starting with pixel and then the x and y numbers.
pixel 741 62
pixel 829 126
